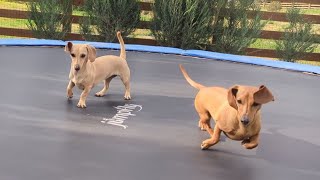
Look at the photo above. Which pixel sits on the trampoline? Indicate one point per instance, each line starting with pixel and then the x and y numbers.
pixel 44 136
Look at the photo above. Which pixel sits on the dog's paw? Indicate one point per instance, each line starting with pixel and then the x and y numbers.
pixel 249 145
pixel 206 144
pixel 99 94
pixel 127 97
pixel 70 95
pixel 245 141
pixel 81 105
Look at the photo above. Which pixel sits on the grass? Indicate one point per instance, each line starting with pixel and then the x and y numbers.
pixel 314 11
pixel 310 11
pixel 10 37
pixel 279 26
pixel 14 23
pixel 18 5
pixel 271 44
pixel 147 16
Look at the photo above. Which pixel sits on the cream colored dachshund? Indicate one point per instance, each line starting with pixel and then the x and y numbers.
pixel 236 111
pixel 87 71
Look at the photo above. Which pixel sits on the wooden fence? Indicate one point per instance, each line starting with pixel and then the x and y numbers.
pixel 145 6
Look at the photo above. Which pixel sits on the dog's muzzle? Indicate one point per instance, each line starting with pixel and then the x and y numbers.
pixel 77 67
pixel 245 120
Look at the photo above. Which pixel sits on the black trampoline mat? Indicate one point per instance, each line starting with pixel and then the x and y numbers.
pixel 44 136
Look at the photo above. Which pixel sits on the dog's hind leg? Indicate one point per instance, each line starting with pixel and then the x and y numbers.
pixel 127 95
pixel 126 82
pixel 215 138
pixel 204 121
pixel 105 88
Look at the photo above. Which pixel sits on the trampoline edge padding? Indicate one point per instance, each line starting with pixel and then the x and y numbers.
pixel 170 50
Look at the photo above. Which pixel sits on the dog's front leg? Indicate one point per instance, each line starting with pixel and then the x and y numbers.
pixel 215 137
pixel 69 89
pixel 251 143
pixel 83 97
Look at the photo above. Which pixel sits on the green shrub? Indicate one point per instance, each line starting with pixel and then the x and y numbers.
pixel 233 29
pixel 297 39
pixel 105 17
pixel 182 23
pixel 46 19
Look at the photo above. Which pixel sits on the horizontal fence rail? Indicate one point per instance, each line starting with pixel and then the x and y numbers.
pixel 271 16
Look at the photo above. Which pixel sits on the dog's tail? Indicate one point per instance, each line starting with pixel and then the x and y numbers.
pixel 190 81
pixel 122 48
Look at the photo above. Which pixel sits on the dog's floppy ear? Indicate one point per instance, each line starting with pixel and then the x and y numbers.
pixel 68 47
pixel 232 94
pixel 263 95
pixel 92 54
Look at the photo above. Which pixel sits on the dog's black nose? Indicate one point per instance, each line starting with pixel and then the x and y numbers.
pixel 245 121
pixel 77 67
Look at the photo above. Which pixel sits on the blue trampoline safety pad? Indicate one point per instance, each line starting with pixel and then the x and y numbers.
pixel 169 50
pixel 31 42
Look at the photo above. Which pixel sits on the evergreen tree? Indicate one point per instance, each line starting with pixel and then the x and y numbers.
pixel 105 17
pixel 297 38
pixel 47 19
pixel 182 23
pixel 237 25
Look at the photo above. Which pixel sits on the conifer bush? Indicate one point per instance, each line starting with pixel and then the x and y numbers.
pixel 297 39
pixel 182 23
pixel 46 19
pixel 105 17
pixel 233 29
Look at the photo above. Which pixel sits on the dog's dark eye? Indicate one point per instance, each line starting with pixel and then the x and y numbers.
pixel 73 55
pixel 255 104
pixel 83 55
pixel 239 101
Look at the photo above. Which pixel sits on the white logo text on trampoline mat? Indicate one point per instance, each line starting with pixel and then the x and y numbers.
pixel 123 113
